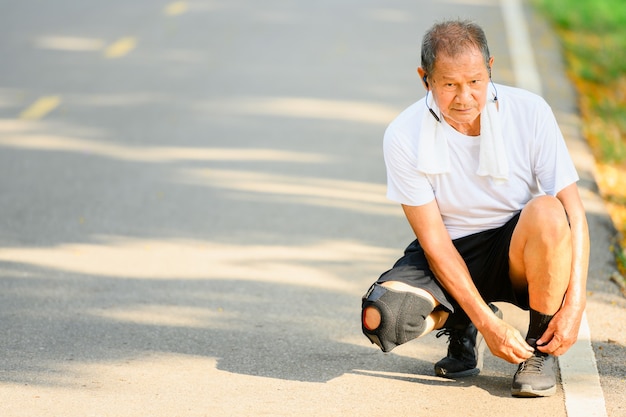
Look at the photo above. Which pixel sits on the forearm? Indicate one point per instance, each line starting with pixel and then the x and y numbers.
pixel 451 271
pixel 446 262
pixel 575 297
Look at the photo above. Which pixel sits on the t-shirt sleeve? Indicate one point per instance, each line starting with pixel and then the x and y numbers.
pixel 405 184
pixel 554 167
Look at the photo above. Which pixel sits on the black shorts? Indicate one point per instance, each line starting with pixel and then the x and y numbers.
pixel 487 257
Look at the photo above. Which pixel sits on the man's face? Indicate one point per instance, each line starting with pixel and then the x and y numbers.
pixel 459 87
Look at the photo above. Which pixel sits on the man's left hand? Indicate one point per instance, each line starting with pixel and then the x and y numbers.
pixel 562 332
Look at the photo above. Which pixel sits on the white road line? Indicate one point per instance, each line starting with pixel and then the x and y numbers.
pixel 579 373
pixel 523 60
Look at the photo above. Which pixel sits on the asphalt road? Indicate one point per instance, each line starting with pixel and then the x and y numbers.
pixel 192 204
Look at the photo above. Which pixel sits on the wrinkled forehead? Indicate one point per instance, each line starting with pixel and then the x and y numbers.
pixel 466 60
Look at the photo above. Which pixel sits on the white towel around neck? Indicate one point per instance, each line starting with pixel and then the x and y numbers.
pixel 433 156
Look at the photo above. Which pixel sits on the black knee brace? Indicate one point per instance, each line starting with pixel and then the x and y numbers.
pixel 402 316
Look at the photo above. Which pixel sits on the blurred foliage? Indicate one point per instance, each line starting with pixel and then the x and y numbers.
pixel 593 36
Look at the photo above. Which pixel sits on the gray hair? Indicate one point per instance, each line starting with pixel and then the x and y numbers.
pixel 451 38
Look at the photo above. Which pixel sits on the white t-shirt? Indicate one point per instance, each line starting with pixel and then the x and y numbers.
pixel 537 155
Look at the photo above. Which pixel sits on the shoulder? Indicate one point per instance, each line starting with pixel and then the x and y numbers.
pixel 520 98
pixel 408 123
pixel 523 109
pixel 409 118
pixel 400 142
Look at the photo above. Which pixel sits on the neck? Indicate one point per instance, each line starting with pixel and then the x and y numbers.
pixel 467 129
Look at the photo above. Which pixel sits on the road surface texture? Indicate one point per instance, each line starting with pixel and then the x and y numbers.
pixel 192 202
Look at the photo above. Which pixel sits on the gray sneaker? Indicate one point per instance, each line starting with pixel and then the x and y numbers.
pixel 535 377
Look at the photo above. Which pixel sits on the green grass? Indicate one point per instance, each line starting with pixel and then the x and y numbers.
pixel 593 15
pixel 593 35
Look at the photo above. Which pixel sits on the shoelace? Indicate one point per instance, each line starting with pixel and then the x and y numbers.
pixel 455 338
pixel 451 333
pixel 532 365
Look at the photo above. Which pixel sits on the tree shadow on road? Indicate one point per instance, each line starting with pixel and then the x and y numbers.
pixel 52 319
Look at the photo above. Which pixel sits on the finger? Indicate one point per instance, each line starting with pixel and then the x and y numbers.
pixel 550 348
pixel 524 349
pixel 509 354
pixel 519 358
pixel 527 348
pixel 520 351
pixel 563 348
pixel 557 347
pixel 525 354
pixel 556 343
pixel 546 337
pixel 511 358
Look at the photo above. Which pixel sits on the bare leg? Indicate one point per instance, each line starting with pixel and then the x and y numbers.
pixel 540 260
pixel 541 254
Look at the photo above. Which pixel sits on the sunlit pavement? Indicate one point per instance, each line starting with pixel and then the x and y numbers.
pixel 192 204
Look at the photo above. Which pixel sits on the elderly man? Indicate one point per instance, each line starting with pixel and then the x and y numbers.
pixel 485 180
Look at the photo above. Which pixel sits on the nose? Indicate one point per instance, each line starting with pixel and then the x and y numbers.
pixel 464 93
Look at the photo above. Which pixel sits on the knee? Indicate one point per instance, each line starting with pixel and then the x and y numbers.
pixel 545 207
pixel 391 318
pixel 547 216
pixel 371 318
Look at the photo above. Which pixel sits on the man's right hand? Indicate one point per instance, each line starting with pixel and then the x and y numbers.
pixel 506 342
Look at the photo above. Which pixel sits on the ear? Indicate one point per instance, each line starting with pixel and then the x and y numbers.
pixel 423 77
pixel 490 65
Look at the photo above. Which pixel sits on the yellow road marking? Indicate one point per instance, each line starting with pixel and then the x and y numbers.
pixel 175 8
pixel 120 47
pixel 40 108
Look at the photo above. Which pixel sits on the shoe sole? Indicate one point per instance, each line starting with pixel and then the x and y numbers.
pixel 526 391
pixel 453 375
